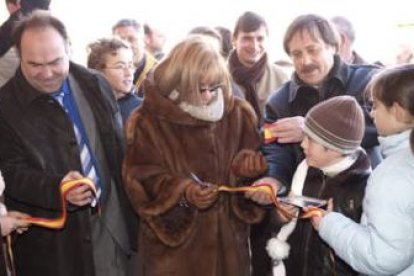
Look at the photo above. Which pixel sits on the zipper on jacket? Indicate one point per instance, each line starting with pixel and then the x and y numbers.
pixel 309 232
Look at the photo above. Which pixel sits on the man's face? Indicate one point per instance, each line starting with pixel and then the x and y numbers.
pixel 136 39
pixel 44 59
pixel 155 41
pixel 12 8
pixel 250 47
pixel 312 59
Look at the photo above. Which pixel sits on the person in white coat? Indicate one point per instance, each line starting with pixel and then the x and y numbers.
pixel 383 243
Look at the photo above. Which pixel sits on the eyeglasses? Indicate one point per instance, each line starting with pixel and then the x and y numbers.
pixel 212 89
pixel 121 66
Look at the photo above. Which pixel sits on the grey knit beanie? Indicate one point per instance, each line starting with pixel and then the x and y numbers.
pixel 337 123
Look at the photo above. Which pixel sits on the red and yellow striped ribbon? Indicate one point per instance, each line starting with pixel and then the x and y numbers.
pixel 65 187
pixel 56 223
pixel 268 136
pixel 267 188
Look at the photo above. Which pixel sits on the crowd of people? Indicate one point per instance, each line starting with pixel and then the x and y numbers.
pixel 178 146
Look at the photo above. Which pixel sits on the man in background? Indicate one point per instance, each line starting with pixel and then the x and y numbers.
pixel 133 32
pixel 8 57
pixel 346 40
pixel 249 66
pixel 9 61
pixel 257 78
pixel 154 41
pixel 12 5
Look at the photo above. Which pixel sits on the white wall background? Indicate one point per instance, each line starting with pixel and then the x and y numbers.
pixel 376 22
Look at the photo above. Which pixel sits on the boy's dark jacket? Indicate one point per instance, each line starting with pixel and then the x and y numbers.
pixel 309 255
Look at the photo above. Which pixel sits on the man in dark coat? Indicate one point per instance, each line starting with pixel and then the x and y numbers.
pixel 39 149
pixel 312 43
pixel 132 31
pixel 9 60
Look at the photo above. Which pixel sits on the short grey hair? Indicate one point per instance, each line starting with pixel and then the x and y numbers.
pixel 344 26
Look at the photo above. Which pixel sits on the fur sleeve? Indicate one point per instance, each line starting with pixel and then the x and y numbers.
pixel 250 138
pixel 154 192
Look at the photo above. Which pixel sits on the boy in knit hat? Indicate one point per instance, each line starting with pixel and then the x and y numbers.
pixel 335 167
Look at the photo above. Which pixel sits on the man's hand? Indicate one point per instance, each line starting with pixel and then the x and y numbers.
pixel 202 196
pixel 261 197
pixel 288 130
pixel 81 195
pixel 249 163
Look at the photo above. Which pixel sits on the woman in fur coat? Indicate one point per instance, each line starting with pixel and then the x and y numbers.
pixel 189 137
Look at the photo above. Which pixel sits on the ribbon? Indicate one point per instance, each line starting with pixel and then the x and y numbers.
pixel 268 189
pixel 65 187
pixel 267 133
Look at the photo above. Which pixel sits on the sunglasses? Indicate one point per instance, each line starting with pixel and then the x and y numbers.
pixel 212 89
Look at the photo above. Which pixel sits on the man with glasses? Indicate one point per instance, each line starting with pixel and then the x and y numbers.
pixel 133 32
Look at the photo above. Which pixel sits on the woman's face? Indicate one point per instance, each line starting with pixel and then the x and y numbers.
pixel 119 71
pixel 209 92
pixel 390 120
pixel 383 118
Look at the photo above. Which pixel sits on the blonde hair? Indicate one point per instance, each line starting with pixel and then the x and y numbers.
pixel 193 61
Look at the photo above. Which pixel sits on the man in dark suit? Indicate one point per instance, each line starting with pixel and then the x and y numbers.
pixel 58 122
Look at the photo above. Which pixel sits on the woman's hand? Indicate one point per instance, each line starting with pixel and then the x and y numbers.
pixel 249 163
pixel 201 195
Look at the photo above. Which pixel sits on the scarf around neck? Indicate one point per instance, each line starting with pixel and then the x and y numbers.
pixel 247 77
pixel 278 247
pixel 3 210
pixel 212 112
pixel 393 143
pixel 340 166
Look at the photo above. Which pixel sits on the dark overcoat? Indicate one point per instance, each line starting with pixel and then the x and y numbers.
pixel 37 148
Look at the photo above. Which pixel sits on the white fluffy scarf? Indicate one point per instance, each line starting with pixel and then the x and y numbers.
pixel 212 112
pixel 3 210
pixel 277 247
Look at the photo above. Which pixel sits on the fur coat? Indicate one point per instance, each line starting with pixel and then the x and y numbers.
pixel 165 145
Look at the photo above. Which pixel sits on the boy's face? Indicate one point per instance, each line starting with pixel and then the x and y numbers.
pixel 119 71
pixel 317 155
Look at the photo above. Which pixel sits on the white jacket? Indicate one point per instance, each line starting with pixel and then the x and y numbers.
pixel 383 243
